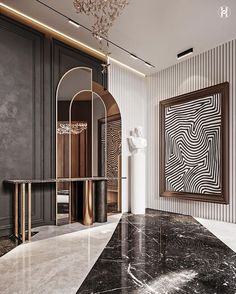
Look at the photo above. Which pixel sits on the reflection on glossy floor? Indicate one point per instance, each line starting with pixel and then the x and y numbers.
pixel 46 232
pixel 55 265
pixel 163 253
pixel 160 253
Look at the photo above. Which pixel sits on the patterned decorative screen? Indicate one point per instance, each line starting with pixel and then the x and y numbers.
pixel 194 145
pixel 113 150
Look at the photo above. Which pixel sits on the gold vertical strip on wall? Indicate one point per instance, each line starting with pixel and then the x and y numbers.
pixel 206 69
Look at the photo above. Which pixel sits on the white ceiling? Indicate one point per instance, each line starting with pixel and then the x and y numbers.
pixel 155 30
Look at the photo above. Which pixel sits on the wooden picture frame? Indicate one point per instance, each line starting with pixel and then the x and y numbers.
pixel 172 112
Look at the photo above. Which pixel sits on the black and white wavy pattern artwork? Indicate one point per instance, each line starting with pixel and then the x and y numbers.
pixel 193 146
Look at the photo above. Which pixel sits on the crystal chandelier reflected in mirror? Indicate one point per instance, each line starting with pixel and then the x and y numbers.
pixel 71 129
pixel 104 12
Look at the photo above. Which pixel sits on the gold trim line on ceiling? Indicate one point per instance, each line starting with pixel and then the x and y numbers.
pixel 50 29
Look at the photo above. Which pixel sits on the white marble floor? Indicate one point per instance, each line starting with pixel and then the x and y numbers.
pixel 54 265
pixel 226 232
pixel 46 232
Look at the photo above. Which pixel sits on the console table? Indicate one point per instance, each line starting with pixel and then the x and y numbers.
pixel 23 186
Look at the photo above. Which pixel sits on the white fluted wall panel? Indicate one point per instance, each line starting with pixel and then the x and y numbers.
pixel 209 68
pixel 129 90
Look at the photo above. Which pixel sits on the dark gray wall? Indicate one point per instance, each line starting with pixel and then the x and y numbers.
pixel 65 58
pixel 30 67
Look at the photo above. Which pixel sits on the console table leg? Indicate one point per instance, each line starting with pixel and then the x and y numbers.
pixel 101 201
pixel 23 212
pixel 88 203
pixel 16 210
pixel 70 203
pixel 29 211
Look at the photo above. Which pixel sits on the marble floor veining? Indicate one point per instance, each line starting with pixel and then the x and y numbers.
pixel 159 252
pixel 56 264
pixel 162 253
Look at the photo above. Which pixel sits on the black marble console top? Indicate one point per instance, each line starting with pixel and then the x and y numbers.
pixel 162 253
pixel 61 180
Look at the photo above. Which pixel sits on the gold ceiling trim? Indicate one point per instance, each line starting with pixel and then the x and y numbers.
pixel 34 23
pixel 18 15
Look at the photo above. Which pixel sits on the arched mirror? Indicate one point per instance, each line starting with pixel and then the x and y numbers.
pixel 88 142
pixel 87 150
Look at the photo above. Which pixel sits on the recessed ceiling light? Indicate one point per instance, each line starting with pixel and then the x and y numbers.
pixel 185 53
pixel 74 23
pixel 133 56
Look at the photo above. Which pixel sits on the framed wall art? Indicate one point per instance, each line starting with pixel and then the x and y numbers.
pixel 194 145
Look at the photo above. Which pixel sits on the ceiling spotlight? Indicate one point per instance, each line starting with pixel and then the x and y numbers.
pixel 74 23
pixel 148 64
pixel 185 53
pixel 133 56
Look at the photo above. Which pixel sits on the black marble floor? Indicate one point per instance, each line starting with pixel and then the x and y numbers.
pixel 162 253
